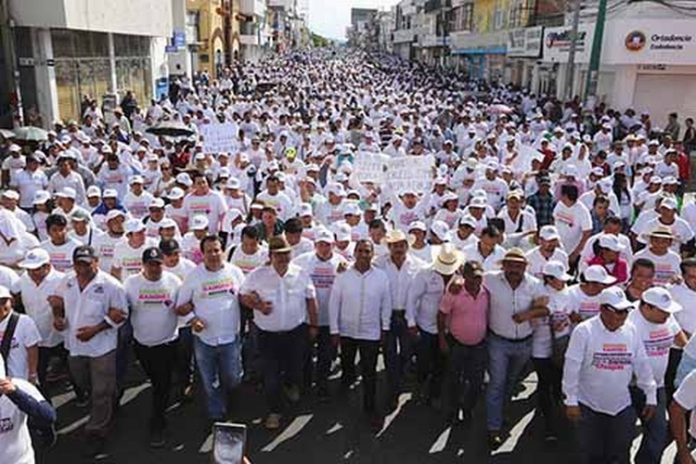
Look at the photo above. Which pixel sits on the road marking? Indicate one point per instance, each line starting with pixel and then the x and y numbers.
pixel 403 399
pixel 128 396
pixel 529 385
pixel 669 454
pixel 207 445
pixel 63 399
pixel 515 434
pixel 336 427
pixel 441 441
pixel 290 431
pixel 348 454
pixel 173 406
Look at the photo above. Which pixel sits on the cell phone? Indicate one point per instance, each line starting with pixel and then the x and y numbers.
pixel 229 443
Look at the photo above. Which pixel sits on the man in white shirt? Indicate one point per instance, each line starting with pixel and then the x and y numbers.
pixel 88 308
pixel 59 245
pixel 211 293
pixel 684 402
pixel 603 355
pixel 658 330
pixel 573 221
pixel 35 286
pixel 284 300
pixel 23 349
pixel 514 302
pixel 360 310
pixel 152 297
pixel 400 267
pixel 322 265
pixel 422 306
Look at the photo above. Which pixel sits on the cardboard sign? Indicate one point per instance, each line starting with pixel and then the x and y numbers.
pixel 410 172
pixel 370 167
pixel 218 137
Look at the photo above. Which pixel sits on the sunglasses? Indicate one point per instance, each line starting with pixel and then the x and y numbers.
pixel 620 312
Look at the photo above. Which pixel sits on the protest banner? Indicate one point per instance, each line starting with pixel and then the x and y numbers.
pixel 414 172
pixel 370 167
pixel 218 137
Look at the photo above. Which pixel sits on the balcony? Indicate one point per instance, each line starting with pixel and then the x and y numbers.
pixel 249 34
pixel 287 4
pixel 253 7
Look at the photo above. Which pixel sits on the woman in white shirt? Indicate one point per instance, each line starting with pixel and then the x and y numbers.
pixel 550 335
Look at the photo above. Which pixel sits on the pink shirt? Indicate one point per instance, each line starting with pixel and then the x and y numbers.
pixel 468 315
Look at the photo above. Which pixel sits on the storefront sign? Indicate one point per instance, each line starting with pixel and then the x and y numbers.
pixel 650 41
pixel 558 40
pixel 525 42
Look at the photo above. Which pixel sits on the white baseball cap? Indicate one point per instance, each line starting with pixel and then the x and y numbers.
pixel 549 233
pixel 4 293
pixel 35 259
pixel 417 225
pixel 597 273
pixel 615 298
pixel 134 225
pixel 136 180
pixel 175 194
pixel 352 209
pixel 612 242
pixel 156 203
pixel 110 193
pixel 232 183
pixel 114 213
pixel 324 235
pixel 441 230
pixel 199 222
pixel 342 232
pixel 306 209
pixel 11 194
pixel 93 191
pixel 67 192
pixel 556 269
pixel 41 197
pixel 478 202
pixel 184 179
pixel 468 220
pixel 661 299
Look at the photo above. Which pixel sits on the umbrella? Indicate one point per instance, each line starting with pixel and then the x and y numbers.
pixel 31 134
pixel 500 109
pixel 7 134
pixel 171 129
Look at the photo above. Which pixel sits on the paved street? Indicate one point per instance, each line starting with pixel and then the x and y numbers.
pixel 334 432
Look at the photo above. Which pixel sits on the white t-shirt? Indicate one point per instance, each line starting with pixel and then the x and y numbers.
pixel 25 335
pixel 657 340
pixel 182 268
pixel 137 205
pixel 686 397
pixel 536 260
pixel 61 255
pixel 666 266
pixel 246 262
pixel 211 205
pixel 15 441
pixel 571 223
pixel 35 299
pixel 579 302
pixel 323 274
pixel 687 298
pixel 152 308
pixel 105 245
pixel 558 315
pixel 129 259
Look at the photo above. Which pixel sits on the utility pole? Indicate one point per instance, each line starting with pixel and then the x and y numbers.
pixel 593 70
pixel 570 72
pixel 11 69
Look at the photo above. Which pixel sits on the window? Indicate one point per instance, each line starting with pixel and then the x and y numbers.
pixel 462 18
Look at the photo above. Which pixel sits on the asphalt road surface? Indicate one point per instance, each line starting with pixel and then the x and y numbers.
pixel 312 432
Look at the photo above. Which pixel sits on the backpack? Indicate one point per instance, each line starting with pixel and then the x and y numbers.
pixel 41 437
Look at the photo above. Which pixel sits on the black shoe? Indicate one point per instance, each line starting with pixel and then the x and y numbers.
pixel 157 438
pixel 323 395
pixel 495 440
pixel 550 435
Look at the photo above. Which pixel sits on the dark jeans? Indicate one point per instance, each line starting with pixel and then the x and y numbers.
pixel 368 350
pixel 185 363
pixel 397 351
pixel 548 390
pixel 467 365
pixel 325 353
pixel 655 431
pixel 430 364
pixel 282 358
pixel 672 365
pixel 605 439
pixel 125 336
pixel 158 363
pixel 45 356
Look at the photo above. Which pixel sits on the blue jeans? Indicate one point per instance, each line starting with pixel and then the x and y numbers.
pixel 506 361
pixel 221 365
pixel 655 431
pixel 398 348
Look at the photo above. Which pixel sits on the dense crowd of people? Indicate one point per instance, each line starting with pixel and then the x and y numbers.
pixel 552 236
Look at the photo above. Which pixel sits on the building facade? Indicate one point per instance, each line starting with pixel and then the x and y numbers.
pixel 66 52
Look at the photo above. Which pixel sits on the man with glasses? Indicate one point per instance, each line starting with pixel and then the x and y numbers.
pixel 603 356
